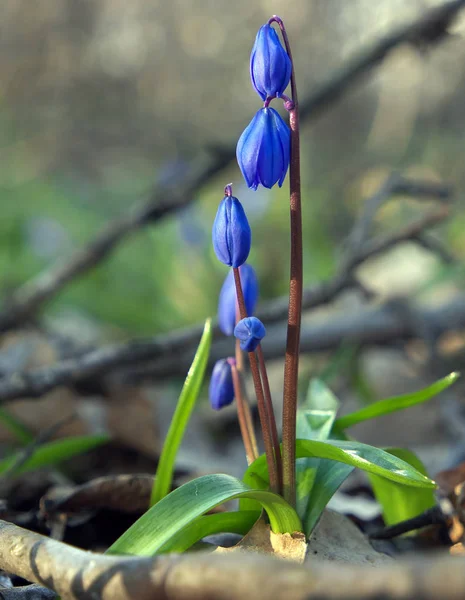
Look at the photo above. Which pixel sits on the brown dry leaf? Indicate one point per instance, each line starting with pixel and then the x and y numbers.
pixel 291 546
pixel 126 493
pixel 336 538
pixel 452 490
pixel 123 411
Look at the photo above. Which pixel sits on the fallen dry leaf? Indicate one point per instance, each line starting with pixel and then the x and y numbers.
pixel 290 546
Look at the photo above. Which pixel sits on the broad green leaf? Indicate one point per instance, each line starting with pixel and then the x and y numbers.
pixel 53 453
pixel 227 522
pixel 315 418
pixel 15 426
pixel 187 399
pixel 314 422
pixel 368 458
pixel 181 507
pixel 400 502
pixel 389 405
pixel 330 475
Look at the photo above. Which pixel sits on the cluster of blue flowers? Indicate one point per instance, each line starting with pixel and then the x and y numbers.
pixel 263 154
pixel 263 150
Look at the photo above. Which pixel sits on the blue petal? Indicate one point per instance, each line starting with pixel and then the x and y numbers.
pixel 231 233
pixel 270 65
pixel 227 297
pixel 221 390
pixel 250 332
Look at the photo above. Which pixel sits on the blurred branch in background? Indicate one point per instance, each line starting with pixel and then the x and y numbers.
pixel 370 326
pixel 24 304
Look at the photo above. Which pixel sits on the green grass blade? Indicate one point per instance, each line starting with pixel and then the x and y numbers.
pixel 227 522
pixel 14 425
pixel 186 402
pixel 389 405
pixel 54 452
pixel 365 457
pixel 400 502
pixel 181 507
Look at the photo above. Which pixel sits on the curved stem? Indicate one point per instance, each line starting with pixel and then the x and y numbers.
pixel 265 417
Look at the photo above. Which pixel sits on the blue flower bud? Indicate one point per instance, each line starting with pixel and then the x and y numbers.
pixel 227 300
pixel 231 233
pixel 250 332
pixel 221 385
pixel 270 65
pixel 263 150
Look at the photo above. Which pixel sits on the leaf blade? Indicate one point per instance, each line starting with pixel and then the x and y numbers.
pixel 388 405
pixel 182 413
pixel 400 502
pixel 172 513
pixel 54 452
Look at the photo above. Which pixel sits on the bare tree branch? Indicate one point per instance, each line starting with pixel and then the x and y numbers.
pixel 173 352
pixel 75 574
pixel 428 29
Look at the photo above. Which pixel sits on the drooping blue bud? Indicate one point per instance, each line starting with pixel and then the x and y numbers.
pixel 270 65
pixel 231 233
pixel 221 389
pixel 263 150
pixel 227 299
pixel 250 332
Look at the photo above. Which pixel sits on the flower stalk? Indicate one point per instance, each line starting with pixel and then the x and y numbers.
pixel 291 364
pixel 244 417
pixel 263 412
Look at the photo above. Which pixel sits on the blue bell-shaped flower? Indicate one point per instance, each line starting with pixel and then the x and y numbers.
pixel 227 299
pixel 249 332
pixel 221 389
pixel 263 150
pixel 270 65
pixel 231 233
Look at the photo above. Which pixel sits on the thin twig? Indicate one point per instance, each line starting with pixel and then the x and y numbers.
pixel 428 29
pixel 431 516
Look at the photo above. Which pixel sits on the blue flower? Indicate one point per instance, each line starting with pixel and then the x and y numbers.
pixel 231 233
pixel 270 65
pixel 221 389
pixel 263 150
pixel 250 332
pixel 227 300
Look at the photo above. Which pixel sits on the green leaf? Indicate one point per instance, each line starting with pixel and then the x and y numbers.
pixel 227 522
pixel 400 502
pixel 14 425
pixel 181 507
pixel 315 418
pixel 384 407
pixel 368 458
pixel 187 399
pixel 53 453
pixel 314 422
pixel 330 475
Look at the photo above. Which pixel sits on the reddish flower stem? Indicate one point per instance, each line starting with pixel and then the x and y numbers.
pixel 291 364
pixel 269 404
pixel 251 452
pixel 265 417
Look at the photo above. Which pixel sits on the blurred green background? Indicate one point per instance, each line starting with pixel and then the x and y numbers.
pixel 100 99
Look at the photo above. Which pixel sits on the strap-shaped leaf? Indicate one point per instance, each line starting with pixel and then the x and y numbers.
pixel 170 515
pixel 365 457
pixel 184 407
pixel 389 405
